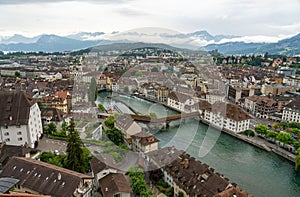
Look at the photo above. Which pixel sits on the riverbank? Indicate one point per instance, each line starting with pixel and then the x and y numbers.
pixel 261 143
pixel 259 172
pixel 254 141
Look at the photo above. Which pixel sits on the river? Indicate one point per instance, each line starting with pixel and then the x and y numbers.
pixel 258 172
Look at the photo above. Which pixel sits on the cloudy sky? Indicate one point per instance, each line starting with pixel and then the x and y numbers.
pixel 234 17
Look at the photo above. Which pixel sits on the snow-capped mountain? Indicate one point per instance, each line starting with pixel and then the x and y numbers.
pixel 196 40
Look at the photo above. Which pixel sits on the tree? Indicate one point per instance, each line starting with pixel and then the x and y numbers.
pixel 284 124
pixel 295 130
pixel 51 128
pixel 138 183
pixel 45 156
pixel 101 107
pixel 75 158
pixel 51 158
pixel 249 133
pixel 170 191
pixel 110 122
pixel 146 193
pixel 285 138
pixel 294 125
pixel 180 194
pixel 261 129
pixel 116 136
pixel 87 157
pixel 272 134
pixel 297 145
pixel 64 126
pixel 276 126
pixel 17 74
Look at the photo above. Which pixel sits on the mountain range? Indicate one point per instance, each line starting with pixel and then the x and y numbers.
pixel 199 40
pixel 289 47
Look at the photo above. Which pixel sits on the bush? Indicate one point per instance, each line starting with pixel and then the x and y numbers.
pixel 101 107
pixel 261 129
pixel 110 121
pixel 285 138
pixel 294 125
pixel 170 191
pixel 249 133
pixel 272 134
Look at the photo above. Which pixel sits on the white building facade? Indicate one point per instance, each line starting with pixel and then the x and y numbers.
pixel 231 118
pixel 291 112
pixel 23 124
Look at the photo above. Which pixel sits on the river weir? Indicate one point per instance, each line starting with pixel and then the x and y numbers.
pixel 257 171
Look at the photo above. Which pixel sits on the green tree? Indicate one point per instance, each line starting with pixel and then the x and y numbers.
pixel 64 127
pixel 180 194
pixel 272 134
pixel 17 74
pixel 276 126
pixel 284 125
pixel 51 158
pixel 51 128
pixel 45 156
pixel 249 133
pixel 170 191
pixel 101 107
pixel 75 157
pixel 138 183
pixel 297 145
pixel 295 130
pixel 55 161
pixel 87 157
pixel 146 193
pixel 294 125
pixel 261 129
pixel 285 138
pixel 115 135
pixel 110 122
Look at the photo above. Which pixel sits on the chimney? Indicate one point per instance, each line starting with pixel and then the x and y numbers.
pixel 186 163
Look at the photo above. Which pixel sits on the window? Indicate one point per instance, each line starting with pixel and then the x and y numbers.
pixel 19 133
pixel 20 139
pixel 6 134
pixel 7 140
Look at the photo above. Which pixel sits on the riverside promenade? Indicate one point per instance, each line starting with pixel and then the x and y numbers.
pixel 255 141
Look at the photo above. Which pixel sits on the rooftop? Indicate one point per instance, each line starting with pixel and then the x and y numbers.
pixel 113 184
pixel 42 177
pixel 15 108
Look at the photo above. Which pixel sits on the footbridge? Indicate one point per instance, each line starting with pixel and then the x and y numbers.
pixel 148 119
